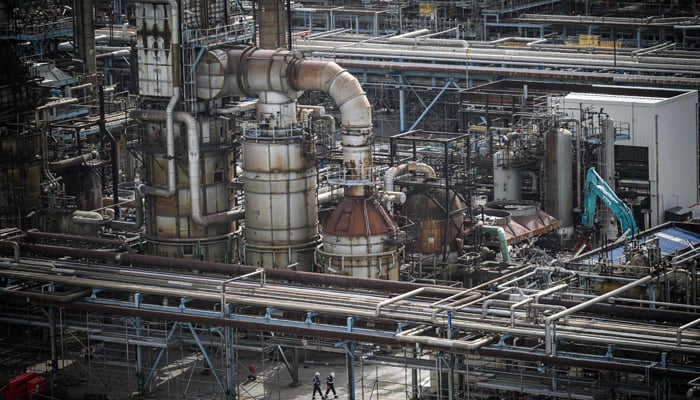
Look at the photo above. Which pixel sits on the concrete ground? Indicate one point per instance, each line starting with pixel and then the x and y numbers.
pixel 371 381
pixel 185 378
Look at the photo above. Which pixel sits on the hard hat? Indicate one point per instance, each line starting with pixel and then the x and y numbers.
pixel 317 373
pixel 333 374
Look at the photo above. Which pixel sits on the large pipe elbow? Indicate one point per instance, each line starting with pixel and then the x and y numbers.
pixel 403 169
pixel 339 84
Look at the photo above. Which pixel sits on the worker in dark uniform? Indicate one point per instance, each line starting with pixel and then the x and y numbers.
pixel 330 385
pixel 317 385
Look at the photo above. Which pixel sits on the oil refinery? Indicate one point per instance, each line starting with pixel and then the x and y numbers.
pixel 221 199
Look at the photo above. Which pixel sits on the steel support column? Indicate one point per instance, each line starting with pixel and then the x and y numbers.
pixel 140 380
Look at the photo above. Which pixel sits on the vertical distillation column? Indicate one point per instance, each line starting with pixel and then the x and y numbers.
pixel 187 194
pixel 280 185
pixel 279 171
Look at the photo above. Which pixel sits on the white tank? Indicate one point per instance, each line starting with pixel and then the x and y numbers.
pixel 279 180
pixel 559 187
pixel 507 182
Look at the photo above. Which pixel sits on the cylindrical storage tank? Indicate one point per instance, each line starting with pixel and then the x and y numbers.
pixel 357 240
pixel 170 229
pixel 507 182
pixel 426 208
pixel 559 188
pixel 280 182
pixel 20 179
pixel 85 184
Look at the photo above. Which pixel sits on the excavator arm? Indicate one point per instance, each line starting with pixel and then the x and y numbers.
pixel 595 188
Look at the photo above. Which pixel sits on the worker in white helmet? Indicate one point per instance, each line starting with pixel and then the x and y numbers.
pixel 317 385
pixel 330 385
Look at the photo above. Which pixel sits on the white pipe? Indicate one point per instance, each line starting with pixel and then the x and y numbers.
pixel 328 195
pixel 469 345
pixel 194 167
pixel 238 107
pixel 550 322
pixel 412 34
pixel 356 115
pixel 158 116
pixel 253 71
pixel 394 172
pixel 81 217
pixel 421 41
pixel 116 53
pixel 396 197
pixel 195 175
pixel 170 127
pixel 126 225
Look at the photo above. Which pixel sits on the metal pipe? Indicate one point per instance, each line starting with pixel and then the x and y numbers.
pixel 682 328
pixel 644 369
pixel 80 217
pixel 394 172
pixel 195 176
pixel 238 107
pixel 58 166
pixel 62 299
pixel 501 234
pixel 356 115
pixel 257 326
pixel 535 298
pixel 130 226
pixel 550 322
pixel 421 41
pixel 400 170
pixel 469 345
pixel 194 168
pixel 35 234
pixel 159 116
pixel 150 261
pixel 13 245
pixel 329 195
pixel 412 34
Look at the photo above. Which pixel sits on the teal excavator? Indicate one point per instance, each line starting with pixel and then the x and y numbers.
pixel 595 187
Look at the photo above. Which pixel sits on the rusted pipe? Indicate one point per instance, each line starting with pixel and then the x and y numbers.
pixel 58 166
pixel 130 226
pixel 256 326
pixel 50 297
pixel 34 234
pixel 147 261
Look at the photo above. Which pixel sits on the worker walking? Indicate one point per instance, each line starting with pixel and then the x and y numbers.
pixel 317 385
pixel 330 385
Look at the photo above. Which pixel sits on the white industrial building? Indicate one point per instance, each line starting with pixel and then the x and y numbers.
pixel 659 123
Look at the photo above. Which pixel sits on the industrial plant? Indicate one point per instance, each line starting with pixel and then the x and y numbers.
pixel 225 199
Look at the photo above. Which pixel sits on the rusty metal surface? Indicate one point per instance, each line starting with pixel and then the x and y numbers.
pixel 427 209
pixel 153 45
pixel 361 217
